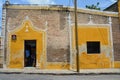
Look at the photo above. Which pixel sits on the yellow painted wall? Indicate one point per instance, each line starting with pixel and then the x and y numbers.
pixel 57 65
pixel 117 64
pixel 93 33
pixel 16 47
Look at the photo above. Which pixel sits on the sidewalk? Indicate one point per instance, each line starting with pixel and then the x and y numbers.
pixel 67 72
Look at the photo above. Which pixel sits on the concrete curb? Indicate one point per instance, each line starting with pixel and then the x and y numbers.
pixel 61 72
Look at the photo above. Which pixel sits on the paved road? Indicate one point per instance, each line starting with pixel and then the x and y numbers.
pixel 57 77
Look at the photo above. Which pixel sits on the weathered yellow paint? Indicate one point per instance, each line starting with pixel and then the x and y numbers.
pixel 117 64
pixel 57 65
pixel 94 61
pixel 87 33
pixel 16 47
pixel 93 33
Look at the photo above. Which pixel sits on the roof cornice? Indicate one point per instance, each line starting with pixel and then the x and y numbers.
pixel 61 8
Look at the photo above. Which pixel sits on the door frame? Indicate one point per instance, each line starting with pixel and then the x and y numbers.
pixel 34 41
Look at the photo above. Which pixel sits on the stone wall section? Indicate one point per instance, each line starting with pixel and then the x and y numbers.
pixel 58 46
pixel 57 30
pixel 116 38
pixel 84 18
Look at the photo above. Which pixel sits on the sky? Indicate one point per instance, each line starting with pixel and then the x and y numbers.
pixel 81 3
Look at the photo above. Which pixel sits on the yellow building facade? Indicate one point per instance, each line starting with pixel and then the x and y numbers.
pixel 33 37
pixel 98 34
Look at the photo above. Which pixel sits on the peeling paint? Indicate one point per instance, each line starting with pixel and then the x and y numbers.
pixel 93 33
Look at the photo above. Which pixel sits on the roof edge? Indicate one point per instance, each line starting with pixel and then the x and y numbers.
pixel 60 7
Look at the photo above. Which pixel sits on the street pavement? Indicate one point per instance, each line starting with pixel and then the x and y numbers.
pixel 59 77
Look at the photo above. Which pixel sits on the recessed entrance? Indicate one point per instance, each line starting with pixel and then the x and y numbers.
pixel 30 53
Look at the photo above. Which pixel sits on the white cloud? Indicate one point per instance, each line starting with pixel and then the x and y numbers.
pixel 41 1
pixel 113 0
